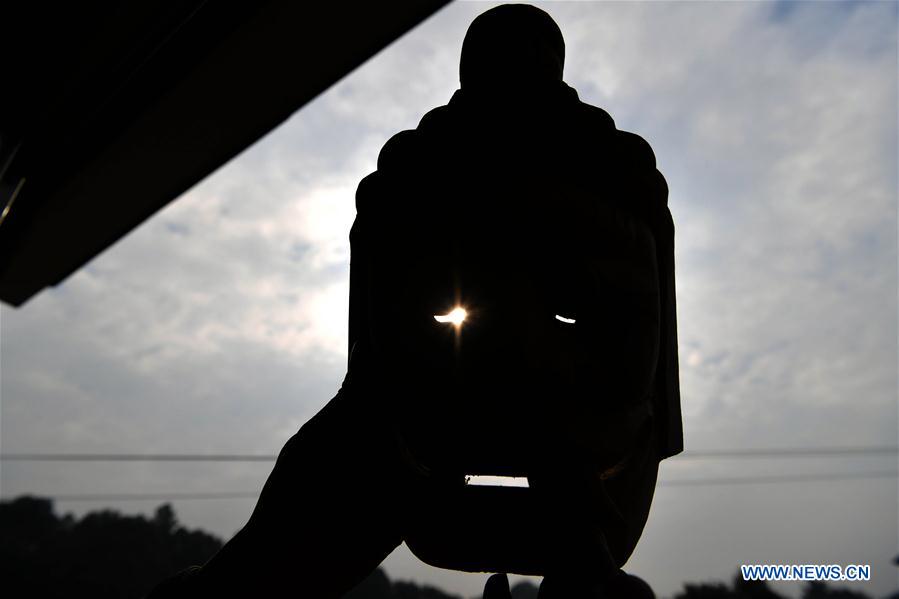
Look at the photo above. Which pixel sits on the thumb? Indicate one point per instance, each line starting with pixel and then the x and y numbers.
pixel 497 587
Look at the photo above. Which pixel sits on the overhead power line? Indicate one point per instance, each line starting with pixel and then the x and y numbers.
pixel 760 452
pixel 793 452
pixel 776 478
pixel 144 496
pixel 677 482
pixel 135 457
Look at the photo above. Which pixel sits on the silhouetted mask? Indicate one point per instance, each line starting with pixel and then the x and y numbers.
pixel 517 225
pixel 511 49
pixel 512 280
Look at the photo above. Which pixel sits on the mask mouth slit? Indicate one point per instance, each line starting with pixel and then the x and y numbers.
pixel 496 481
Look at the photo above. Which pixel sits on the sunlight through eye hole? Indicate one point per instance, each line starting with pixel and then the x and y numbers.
pixel 455 316
pixel 565 320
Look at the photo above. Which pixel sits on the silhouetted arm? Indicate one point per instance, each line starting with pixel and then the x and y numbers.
pixel 327 516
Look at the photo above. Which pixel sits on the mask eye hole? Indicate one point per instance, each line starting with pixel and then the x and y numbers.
pixel 456 316
pixel 565 319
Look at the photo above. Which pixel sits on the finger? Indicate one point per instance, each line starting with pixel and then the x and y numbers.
pixel 554 587
pixel 628 585
pixel 497 587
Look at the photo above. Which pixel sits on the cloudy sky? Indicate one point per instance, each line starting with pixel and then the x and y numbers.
pixel 219 325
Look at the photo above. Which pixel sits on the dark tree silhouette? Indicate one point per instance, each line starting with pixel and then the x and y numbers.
pixel 103 555
pixel 107 555
pixel 819 590
pixel 754 589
